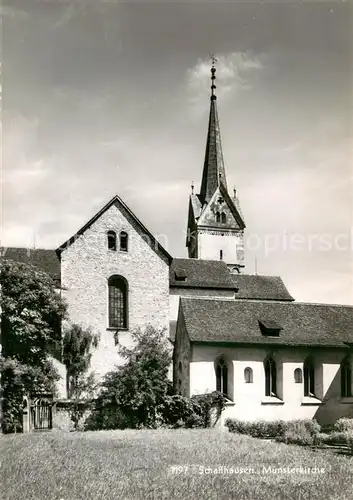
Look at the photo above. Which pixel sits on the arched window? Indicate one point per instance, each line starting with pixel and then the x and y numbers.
pixel 270 377
pixel 223 218
pixel 248 377
pixel 111 240
pixel 222 376
pixel 124 241
pixel 117 302
pixel 180 367
pixel 298 376
pixel 218 217
pixel 309 378
pixel 346 378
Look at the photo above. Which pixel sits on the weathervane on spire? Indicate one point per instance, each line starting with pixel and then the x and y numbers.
pixel 213 77
pixel 213 59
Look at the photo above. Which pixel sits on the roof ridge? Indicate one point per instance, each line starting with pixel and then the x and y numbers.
pixel 116 198
pixel 27 248
pixel 289 302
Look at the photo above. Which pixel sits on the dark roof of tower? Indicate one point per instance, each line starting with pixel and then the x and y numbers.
pixel 213 169
pixel 238 321
pixel 43 259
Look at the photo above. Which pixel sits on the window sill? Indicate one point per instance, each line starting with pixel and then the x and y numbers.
pixel 346 400
pixel 272 400
pixel 311 401
pixel 116 328
pixel 229 402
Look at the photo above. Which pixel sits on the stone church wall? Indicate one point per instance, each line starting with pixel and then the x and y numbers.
pixel 86 266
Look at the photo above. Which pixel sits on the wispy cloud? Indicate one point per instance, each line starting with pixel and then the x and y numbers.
pixel 235 71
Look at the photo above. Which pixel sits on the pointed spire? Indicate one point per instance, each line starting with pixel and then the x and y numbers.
pixel 213 170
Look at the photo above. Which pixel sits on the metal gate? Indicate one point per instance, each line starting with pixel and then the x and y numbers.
pixel 41 413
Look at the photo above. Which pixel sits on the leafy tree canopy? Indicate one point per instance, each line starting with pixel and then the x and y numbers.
pixel 31 315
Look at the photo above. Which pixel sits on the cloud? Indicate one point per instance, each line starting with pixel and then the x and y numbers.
pixel 8 11
pixel 235 72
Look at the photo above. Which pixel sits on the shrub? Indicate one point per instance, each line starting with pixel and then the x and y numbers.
pixel 343 424
pixel 299 436
pixel 199 411
pixel 130 394
pixel 259 428
pixel 211 406
pixel 303 432
pixel 178 411
pixel 345 437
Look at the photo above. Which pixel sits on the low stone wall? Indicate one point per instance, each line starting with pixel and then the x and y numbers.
pixel 61 415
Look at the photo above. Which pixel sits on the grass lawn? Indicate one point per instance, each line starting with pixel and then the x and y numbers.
pixel 165 464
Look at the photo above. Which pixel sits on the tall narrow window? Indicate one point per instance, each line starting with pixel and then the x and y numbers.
pixel 222 376
pixel 124 240
pixel 218 217
pixel 221 255
pixel 223 218
pixel 248 377
pixel 270 377
pixel 346 378
pixel 309 378
pixel 298 376
pixel 111 240
pixel 117 302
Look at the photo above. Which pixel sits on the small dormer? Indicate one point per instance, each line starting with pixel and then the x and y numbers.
pixel 269 328
pixel 180 275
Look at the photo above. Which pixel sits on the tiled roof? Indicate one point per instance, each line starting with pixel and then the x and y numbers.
pixel 196 205
pixel 215 320
pixel 45 260
pixel 252 286
pixel 201 274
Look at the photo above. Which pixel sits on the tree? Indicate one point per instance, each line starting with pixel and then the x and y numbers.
pixel 78 344
pixel 130 394
pixel 31 315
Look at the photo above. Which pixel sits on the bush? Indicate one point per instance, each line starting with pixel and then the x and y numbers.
pixel 178 411
pixel 211 406
pixel 259 428
pixel 107 418
pixel 345 437
pixel 343 424
pixel 305 432
pixel 130 395
pixel 199 411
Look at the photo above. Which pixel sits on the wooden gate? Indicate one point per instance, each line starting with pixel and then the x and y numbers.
pixel 42 413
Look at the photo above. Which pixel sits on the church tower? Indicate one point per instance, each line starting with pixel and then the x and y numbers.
pixel 215 222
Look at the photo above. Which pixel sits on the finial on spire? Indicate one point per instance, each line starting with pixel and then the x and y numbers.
pixel 192 187
pixel 213 77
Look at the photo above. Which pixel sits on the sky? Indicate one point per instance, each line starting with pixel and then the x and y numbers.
pixel 105 97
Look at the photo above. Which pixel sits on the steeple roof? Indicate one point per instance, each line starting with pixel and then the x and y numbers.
pixel 213 169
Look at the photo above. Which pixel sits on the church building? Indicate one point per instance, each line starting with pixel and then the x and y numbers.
pixel 243 335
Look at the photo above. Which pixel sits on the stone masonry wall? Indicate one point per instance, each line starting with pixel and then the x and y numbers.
pixel 86 266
